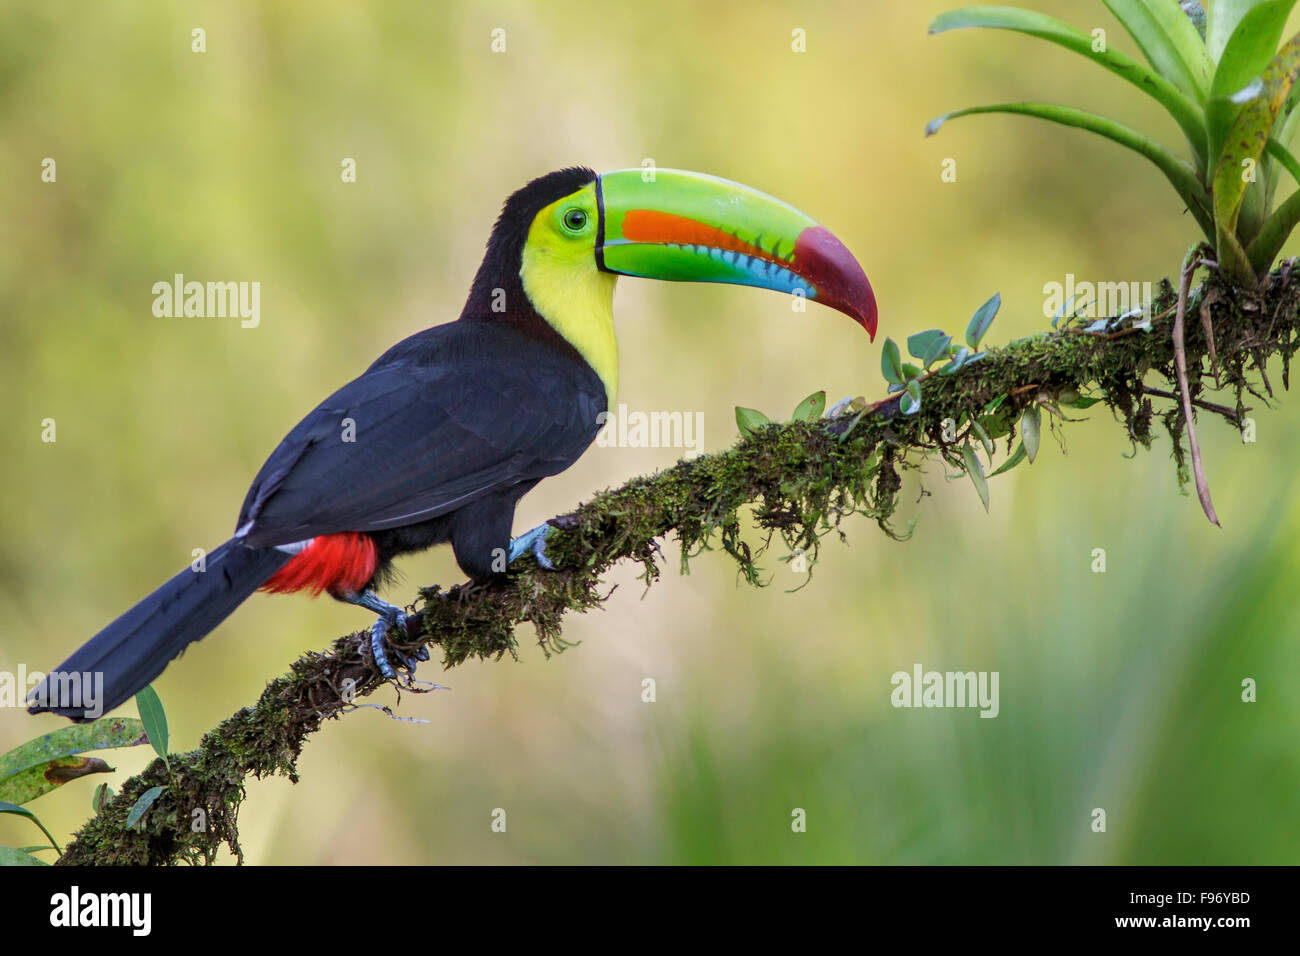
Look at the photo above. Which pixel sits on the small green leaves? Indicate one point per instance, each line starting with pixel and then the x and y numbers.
pixel 891 363
pixel 750 420
pixel 1016 458
pixel 929 346
pixel 910 402
pixel 961 358
pixel 811 408
pixel 154 719
pixel 981 320
pixel 141 806
pixel 976 472
pixel 1029 432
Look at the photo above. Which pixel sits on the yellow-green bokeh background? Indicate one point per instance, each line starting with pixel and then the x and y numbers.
pixel 1118 690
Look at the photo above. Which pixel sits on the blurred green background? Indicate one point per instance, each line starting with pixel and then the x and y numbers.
pixel 1118 690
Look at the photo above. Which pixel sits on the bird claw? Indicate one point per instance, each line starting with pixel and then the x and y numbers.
pixel 534 541
pixel 379 644
pixel 390 616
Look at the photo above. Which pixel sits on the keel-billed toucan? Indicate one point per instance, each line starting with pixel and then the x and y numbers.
pixel 439 439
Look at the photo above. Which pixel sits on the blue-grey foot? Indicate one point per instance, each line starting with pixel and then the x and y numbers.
pixel 390 616
pixel 534 541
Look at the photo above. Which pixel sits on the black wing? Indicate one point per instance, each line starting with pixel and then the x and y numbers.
pixel 441 419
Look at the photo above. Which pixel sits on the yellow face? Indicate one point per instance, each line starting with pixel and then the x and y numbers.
pixel 562 281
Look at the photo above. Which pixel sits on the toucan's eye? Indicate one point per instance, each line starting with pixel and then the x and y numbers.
pixel 575 220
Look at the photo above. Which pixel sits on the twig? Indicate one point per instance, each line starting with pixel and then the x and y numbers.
pixel 1229 413
pixel 1207 326
pixel 1180 368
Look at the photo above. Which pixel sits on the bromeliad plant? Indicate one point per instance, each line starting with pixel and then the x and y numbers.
pixel 1218 70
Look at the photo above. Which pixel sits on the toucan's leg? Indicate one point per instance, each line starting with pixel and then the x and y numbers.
pixel 389 616
pixel 534 541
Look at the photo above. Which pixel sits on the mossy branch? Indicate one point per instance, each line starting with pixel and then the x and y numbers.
pixel 802 479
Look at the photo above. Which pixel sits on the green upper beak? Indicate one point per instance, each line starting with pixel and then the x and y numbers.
pixel 673 224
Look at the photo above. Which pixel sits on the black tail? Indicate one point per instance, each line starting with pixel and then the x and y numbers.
pixel 135 648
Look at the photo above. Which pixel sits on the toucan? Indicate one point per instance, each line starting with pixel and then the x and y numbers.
pixel 443 434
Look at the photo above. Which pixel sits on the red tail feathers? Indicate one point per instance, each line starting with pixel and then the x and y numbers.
pixel 338 563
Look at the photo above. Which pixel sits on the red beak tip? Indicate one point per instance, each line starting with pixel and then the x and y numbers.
pixel 836 275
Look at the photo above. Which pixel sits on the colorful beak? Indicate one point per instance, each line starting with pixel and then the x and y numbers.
pixel 688 227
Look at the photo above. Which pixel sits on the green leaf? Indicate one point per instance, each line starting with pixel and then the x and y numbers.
pixel 976 472
pixel 1082 402
pixel 1245 145
pixel 6 807
pixel 1223 17
pixel 154 719
pixel 103 794
pixel 927 347
pixel 750 420
pixel 141 806
pixel 982 319
pixel 1186 113
pixel 1277 228
pixel 9 856
pixel 1284 158
pixel 1016 458
pixel 1029 431
pixel 910 402
pixel 961 358
pixel 891 363
pixel 1249 51
pixel 811 408
pixel 853 424
pixel 1178 171
pixel 983 436
pixel 995 426
pixel 23 770
pixel 1169 41
pixel 26 785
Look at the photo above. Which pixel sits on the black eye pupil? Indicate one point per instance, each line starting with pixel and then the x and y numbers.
pixel 575 219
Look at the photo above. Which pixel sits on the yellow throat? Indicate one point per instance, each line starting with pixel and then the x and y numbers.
pixel 566 288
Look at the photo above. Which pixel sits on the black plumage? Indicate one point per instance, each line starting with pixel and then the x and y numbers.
pixel 448 429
